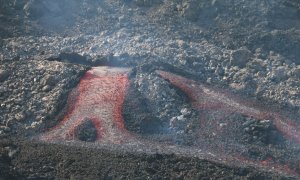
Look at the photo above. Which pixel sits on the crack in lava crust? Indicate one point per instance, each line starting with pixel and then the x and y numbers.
pixel 98 100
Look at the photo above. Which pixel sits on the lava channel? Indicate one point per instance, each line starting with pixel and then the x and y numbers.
pixel 94 116
pixel 95 109
pixel 205 98
pixel 215 107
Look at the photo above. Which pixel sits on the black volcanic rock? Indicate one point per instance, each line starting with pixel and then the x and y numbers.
pixel 3 75
pixel 86 131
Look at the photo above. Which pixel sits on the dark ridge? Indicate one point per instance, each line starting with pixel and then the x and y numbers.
pixel 136 114
pixel 100 60
pixel 71 58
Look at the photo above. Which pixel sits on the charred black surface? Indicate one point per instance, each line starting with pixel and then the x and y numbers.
pixel 71 58
pixel 65 162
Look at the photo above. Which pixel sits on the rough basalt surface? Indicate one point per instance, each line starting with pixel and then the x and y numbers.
pixel 33 93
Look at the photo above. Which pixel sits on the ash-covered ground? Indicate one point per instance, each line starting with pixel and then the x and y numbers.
pixel 247 48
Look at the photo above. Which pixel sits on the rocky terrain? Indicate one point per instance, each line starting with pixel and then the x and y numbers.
pixel 250 48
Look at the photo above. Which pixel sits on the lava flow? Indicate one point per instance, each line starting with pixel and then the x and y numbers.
pixel 95 116
pixel 204 98
pixel 215 107
pixel 95 108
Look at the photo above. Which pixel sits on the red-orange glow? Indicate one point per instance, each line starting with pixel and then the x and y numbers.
pixel 99 97
pixel 205 98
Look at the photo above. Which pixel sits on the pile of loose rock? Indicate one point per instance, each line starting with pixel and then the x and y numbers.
pixel 32 92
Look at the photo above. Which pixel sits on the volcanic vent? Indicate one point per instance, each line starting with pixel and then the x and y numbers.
pixel 225 129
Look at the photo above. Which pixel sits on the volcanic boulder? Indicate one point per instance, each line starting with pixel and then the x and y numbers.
pixel 86 131
pixel 3 75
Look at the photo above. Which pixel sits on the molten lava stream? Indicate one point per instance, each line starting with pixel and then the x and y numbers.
pixel 95 104
pixel 208 100
pixel 95 115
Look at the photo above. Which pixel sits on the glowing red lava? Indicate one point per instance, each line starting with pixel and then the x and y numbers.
pixel 95 115
pixel 221 105
pixel 204 98
pixel 99 97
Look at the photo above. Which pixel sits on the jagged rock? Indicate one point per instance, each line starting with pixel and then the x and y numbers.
pixel 257 64
pixel 46 88
pixel 146 2
pixel 262 131
pixel 5 129
pixel 190 9
pixel 49 80
pixel 20 116
pixel 34 9
pixel 240 57
pixel 296 71
pixel 3 75
pixel 86 131
pixel 280 73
